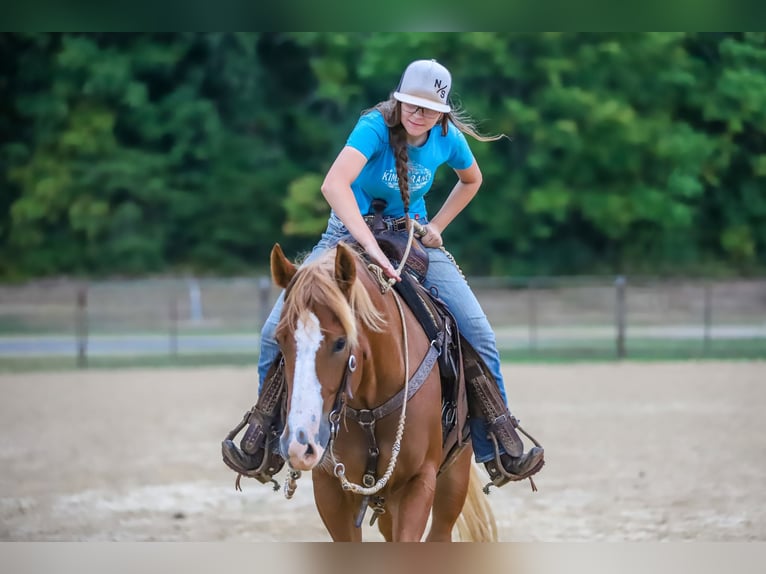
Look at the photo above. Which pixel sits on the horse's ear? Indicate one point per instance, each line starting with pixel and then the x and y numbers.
pixel 345 268
pixel 282 271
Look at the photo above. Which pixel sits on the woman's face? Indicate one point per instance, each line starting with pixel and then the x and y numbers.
pixel 418 121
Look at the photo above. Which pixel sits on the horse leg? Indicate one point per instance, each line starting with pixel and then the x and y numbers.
pixel 410 513
pixel 385 526
pixel 336 509
pixel 451 490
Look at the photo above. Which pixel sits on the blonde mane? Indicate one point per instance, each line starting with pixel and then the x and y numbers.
pixel 314 286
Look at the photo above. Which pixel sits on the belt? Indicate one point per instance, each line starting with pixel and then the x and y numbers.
pixel 391 223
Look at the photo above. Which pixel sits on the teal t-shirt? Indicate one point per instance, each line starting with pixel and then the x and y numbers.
pixel 378 179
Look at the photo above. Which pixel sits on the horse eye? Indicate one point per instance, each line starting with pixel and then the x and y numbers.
pixel 340 344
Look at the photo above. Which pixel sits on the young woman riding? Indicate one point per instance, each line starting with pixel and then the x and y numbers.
pixel 393 153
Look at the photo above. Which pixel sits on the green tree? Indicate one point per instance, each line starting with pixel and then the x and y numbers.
pixel 137 153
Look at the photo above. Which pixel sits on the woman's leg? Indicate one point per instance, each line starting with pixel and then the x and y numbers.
pixel 445 277
pixel 269 348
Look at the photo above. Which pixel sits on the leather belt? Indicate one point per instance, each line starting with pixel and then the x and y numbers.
pixel 391 223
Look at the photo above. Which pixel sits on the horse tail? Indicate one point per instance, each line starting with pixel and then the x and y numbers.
pixel 476 522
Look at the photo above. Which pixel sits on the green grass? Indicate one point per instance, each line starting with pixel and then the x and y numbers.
pixel 33 364
pixel 642 350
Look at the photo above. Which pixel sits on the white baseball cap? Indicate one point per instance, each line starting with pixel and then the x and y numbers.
pixel 425 83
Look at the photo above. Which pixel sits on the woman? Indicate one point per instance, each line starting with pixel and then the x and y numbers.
pixel 392 154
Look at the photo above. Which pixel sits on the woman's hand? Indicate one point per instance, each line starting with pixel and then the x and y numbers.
pixel 432 237
pixel 377 255
pixel 388 269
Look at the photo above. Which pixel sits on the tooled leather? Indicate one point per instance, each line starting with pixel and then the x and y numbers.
pixel 485 402
pixel 266 409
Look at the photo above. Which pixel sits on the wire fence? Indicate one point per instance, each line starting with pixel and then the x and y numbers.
pixel 547 318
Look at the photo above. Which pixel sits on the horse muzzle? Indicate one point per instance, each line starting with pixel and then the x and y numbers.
pixel 304 447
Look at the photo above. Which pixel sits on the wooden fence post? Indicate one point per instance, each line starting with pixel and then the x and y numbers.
pixel 707 317
pixel 81 326
pixel 620 315
pixel 264 291
pixel 532 314
pixel 173 316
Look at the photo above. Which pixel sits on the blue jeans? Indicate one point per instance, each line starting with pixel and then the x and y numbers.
pixel 446 279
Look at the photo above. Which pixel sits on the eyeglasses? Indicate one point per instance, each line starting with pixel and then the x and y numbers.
pixel 429 114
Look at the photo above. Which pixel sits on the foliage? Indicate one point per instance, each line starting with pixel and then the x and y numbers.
pixel 138 153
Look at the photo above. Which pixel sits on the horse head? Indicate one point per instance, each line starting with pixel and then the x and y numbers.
pixel 318 333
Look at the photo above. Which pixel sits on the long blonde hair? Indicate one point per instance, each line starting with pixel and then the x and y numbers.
pixel 314 285
pixel 391 110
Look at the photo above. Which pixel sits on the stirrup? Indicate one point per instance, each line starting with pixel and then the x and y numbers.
pixel 271 463
pixel 499 476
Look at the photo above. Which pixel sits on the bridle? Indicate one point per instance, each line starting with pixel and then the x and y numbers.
pixel 366 418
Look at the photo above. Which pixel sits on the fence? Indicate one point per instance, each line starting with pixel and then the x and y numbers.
pixel 626 317
pixel 534 318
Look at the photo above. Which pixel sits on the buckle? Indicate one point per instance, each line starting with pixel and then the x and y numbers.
pixel 399 224
pixel 366 417
pixel 391 224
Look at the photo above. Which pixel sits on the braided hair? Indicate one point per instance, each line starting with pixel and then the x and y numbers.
pixel 392 115
pixel 397 137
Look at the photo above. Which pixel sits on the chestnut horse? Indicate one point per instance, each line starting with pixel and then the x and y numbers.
pixel 350 345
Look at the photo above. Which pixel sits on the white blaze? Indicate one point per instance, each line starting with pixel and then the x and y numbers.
pixel 306 401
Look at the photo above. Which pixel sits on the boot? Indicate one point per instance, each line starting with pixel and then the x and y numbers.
pixel 238 460
pixel 505 468
pixel 256 457
pixel 252 448
pixel 525 464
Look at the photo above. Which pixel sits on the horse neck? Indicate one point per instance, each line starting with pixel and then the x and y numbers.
pixel 383 366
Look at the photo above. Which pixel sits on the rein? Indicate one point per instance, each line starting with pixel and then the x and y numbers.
pixel 339 467
pixel 387 282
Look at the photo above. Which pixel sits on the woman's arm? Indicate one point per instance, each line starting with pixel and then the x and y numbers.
pixel 469 181
pixel 336 189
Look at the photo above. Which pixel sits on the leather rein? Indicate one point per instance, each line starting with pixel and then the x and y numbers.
pixel 366 418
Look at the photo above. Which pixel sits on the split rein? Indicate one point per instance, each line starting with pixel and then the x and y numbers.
pixel 387 282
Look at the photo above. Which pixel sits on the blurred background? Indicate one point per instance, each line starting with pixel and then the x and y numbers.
pixel 145 177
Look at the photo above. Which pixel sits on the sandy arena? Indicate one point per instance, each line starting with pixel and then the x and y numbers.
pixel 635 452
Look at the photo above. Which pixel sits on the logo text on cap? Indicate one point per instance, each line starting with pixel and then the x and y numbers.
pixel 441 90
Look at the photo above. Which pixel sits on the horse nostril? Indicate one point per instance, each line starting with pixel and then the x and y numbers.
pixel 309 450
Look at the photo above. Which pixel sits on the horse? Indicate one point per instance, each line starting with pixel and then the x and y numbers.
pixel 349 346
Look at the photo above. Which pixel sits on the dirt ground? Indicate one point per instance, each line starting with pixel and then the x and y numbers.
pixel 635 452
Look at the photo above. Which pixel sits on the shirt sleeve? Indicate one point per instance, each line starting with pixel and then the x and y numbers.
pixel 369 135
pixel 461 156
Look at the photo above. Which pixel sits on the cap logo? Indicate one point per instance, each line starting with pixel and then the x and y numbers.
pixel 440 90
